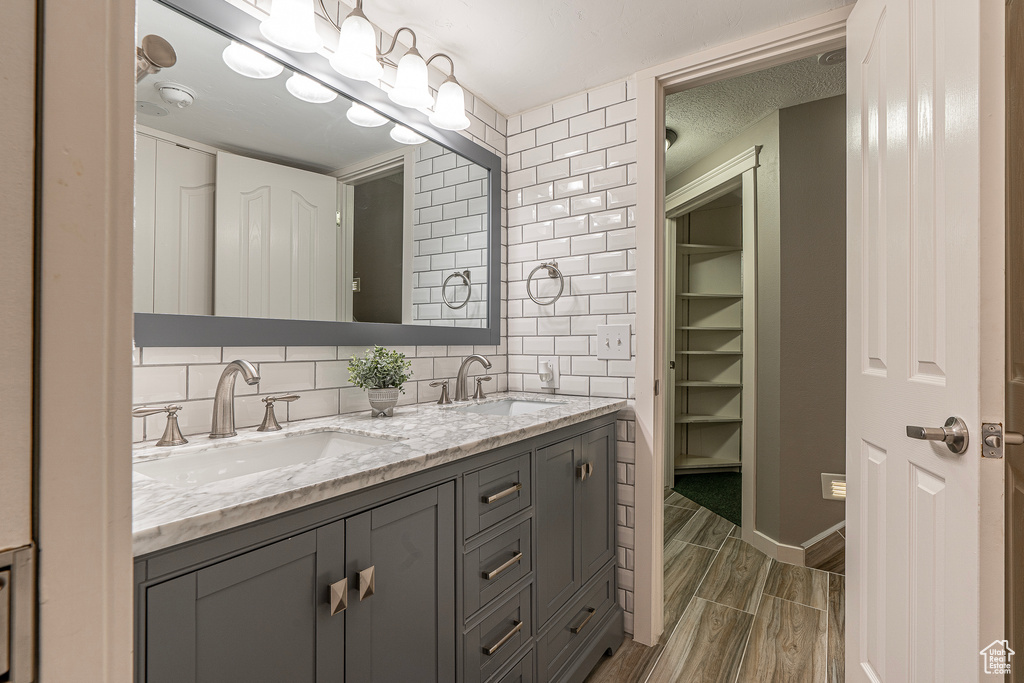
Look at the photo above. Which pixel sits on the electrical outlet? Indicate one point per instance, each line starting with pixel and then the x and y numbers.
pixel 547 368
pixel 613 342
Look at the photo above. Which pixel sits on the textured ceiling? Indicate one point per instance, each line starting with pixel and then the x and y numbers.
pixel 520 54
pixel 707 117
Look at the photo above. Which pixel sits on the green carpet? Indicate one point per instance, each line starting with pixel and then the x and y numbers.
pixel 720 492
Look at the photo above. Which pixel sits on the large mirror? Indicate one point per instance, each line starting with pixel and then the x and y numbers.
pixel 276 208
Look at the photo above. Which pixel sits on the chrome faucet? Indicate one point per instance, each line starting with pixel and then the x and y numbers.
pixel 461 392
pixel 224 398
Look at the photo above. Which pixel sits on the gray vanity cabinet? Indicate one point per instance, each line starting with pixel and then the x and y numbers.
pixel 495 568
pixel 265 615
pixel 575 510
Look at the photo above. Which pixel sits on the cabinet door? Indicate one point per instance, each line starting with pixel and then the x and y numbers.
pixel 558 543
pixel 405 630
pixel 248 619
pixel 597 500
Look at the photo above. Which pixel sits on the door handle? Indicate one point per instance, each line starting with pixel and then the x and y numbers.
pixel 366 582
pixel 339 596
pixel 953 434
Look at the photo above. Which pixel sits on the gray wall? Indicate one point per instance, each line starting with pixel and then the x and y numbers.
pixel 801 311
pixel 813 323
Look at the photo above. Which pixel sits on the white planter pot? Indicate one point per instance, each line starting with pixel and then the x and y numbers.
pixel 382 401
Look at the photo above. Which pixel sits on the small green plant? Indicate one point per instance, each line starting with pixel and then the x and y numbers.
pixel 379 369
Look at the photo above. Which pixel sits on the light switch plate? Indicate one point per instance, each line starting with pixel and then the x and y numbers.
pixel 613 342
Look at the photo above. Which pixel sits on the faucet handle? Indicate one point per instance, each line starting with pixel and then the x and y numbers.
pixel 270 423
pixel 444 400
pixel 172 433
pixel 480 386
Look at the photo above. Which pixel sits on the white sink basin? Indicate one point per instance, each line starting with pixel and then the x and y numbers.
pixel 195 469
pixel 508 407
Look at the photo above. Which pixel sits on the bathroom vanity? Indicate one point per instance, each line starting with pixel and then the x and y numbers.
pixel 448 544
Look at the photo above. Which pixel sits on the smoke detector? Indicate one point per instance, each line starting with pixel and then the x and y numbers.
pixel 175 94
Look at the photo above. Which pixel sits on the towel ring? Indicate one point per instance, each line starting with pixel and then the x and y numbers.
pixel 553 272
pixel 464 275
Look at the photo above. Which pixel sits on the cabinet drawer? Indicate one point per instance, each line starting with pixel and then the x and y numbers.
pixel 491 643
pixel 522 672
pixel 572 626
pixel 497 565
pixel 495 493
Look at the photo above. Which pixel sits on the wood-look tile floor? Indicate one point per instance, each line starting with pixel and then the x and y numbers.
pixel 732 614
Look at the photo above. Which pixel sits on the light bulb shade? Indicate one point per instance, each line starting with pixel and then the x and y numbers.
pixel 244 60
pixel 308 90
pixel 450 109
pixel 406 136
pixel 411 87
pixel 356 56
pixel 364 116
pixel 292 25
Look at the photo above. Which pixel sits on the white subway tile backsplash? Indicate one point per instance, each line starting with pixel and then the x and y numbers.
pixel 608 220
pixel 253 354
pixel 587 284
pixel 622 239
pixel 588 203
pixel 569 187
pixel 621 155
pixel 612 177
pixel 312 404
pixel 586 123
pixel 606 137
pixel 587 163
pixel 622 282
pixel 621 112
pixel 572 106
pixel 551 210
pixel 536 118
pixel 609 304
pixel 553 132
pixel 538 193
pixel 158 383
pixel 156 355
pixel 555 248
pixel 517 143
pixel 275 377
pixel 622 196
pixel 607 262
pixel 557 326
pixel 537 156
pixel 607 95
pixel 574 225
pixel 589 243
pixel 538 231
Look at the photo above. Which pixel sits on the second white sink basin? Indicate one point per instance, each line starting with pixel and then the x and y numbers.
pixel 508 407
pixel 217 464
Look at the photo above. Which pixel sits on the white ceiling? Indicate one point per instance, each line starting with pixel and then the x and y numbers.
pixel 258 118
pixel 707 117
pixel 520 54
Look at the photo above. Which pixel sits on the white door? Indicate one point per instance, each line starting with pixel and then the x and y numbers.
pixel 924 342
pixel 277 241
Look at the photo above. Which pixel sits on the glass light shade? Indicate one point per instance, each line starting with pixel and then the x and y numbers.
pixel 411 87
pixel 356 56
pixel 364 116
pixel 292 25
pixel 406 136
pixel 244 60
pixel 450 109
pixel 308 90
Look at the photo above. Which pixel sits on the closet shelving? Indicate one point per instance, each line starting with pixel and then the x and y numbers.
pixel 709 338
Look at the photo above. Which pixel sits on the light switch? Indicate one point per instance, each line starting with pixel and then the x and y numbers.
pixel 613 342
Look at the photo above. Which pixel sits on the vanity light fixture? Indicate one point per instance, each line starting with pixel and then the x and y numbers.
pixel 670 138
pixel 292 25
pixel 248 62
pixel 364 116
pixel 406 136
pixel 450 108
pixel 412 88
pixel 356 54
pixel 308 90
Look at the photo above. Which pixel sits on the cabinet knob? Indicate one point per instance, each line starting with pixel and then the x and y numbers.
pixel 367 583
pixel 585 470
pixel 339 596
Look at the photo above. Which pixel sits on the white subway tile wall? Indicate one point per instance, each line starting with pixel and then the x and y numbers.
pixel 450 234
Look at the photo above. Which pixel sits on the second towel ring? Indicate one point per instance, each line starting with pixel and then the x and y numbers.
pixel 464 275
pixel 553 272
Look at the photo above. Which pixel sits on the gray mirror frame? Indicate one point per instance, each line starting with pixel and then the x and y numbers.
pixel 163 329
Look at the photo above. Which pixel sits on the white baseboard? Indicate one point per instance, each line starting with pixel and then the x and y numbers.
pixel 790 554
pixel 824 534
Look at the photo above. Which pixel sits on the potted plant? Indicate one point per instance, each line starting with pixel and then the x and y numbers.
pixel 382 373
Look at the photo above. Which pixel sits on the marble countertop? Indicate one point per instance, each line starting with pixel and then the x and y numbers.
pixel 419 436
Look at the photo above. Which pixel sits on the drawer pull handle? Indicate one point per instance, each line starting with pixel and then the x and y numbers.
pixel 507 637
pixel 498 570
pixel 590 615
pixel 339 596
pixel 585 470
pixel 502 494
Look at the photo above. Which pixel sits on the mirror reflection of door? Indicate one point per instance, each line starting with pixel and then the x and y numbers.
pixel 378 249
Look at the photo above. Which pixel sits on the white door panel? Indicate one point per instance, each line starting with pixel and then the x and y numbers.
pixel 914 293
pixel 276 244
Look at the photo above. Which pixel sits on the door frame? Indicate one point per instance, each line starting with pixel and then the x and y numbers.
pixel 772 48
pixel 740 172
